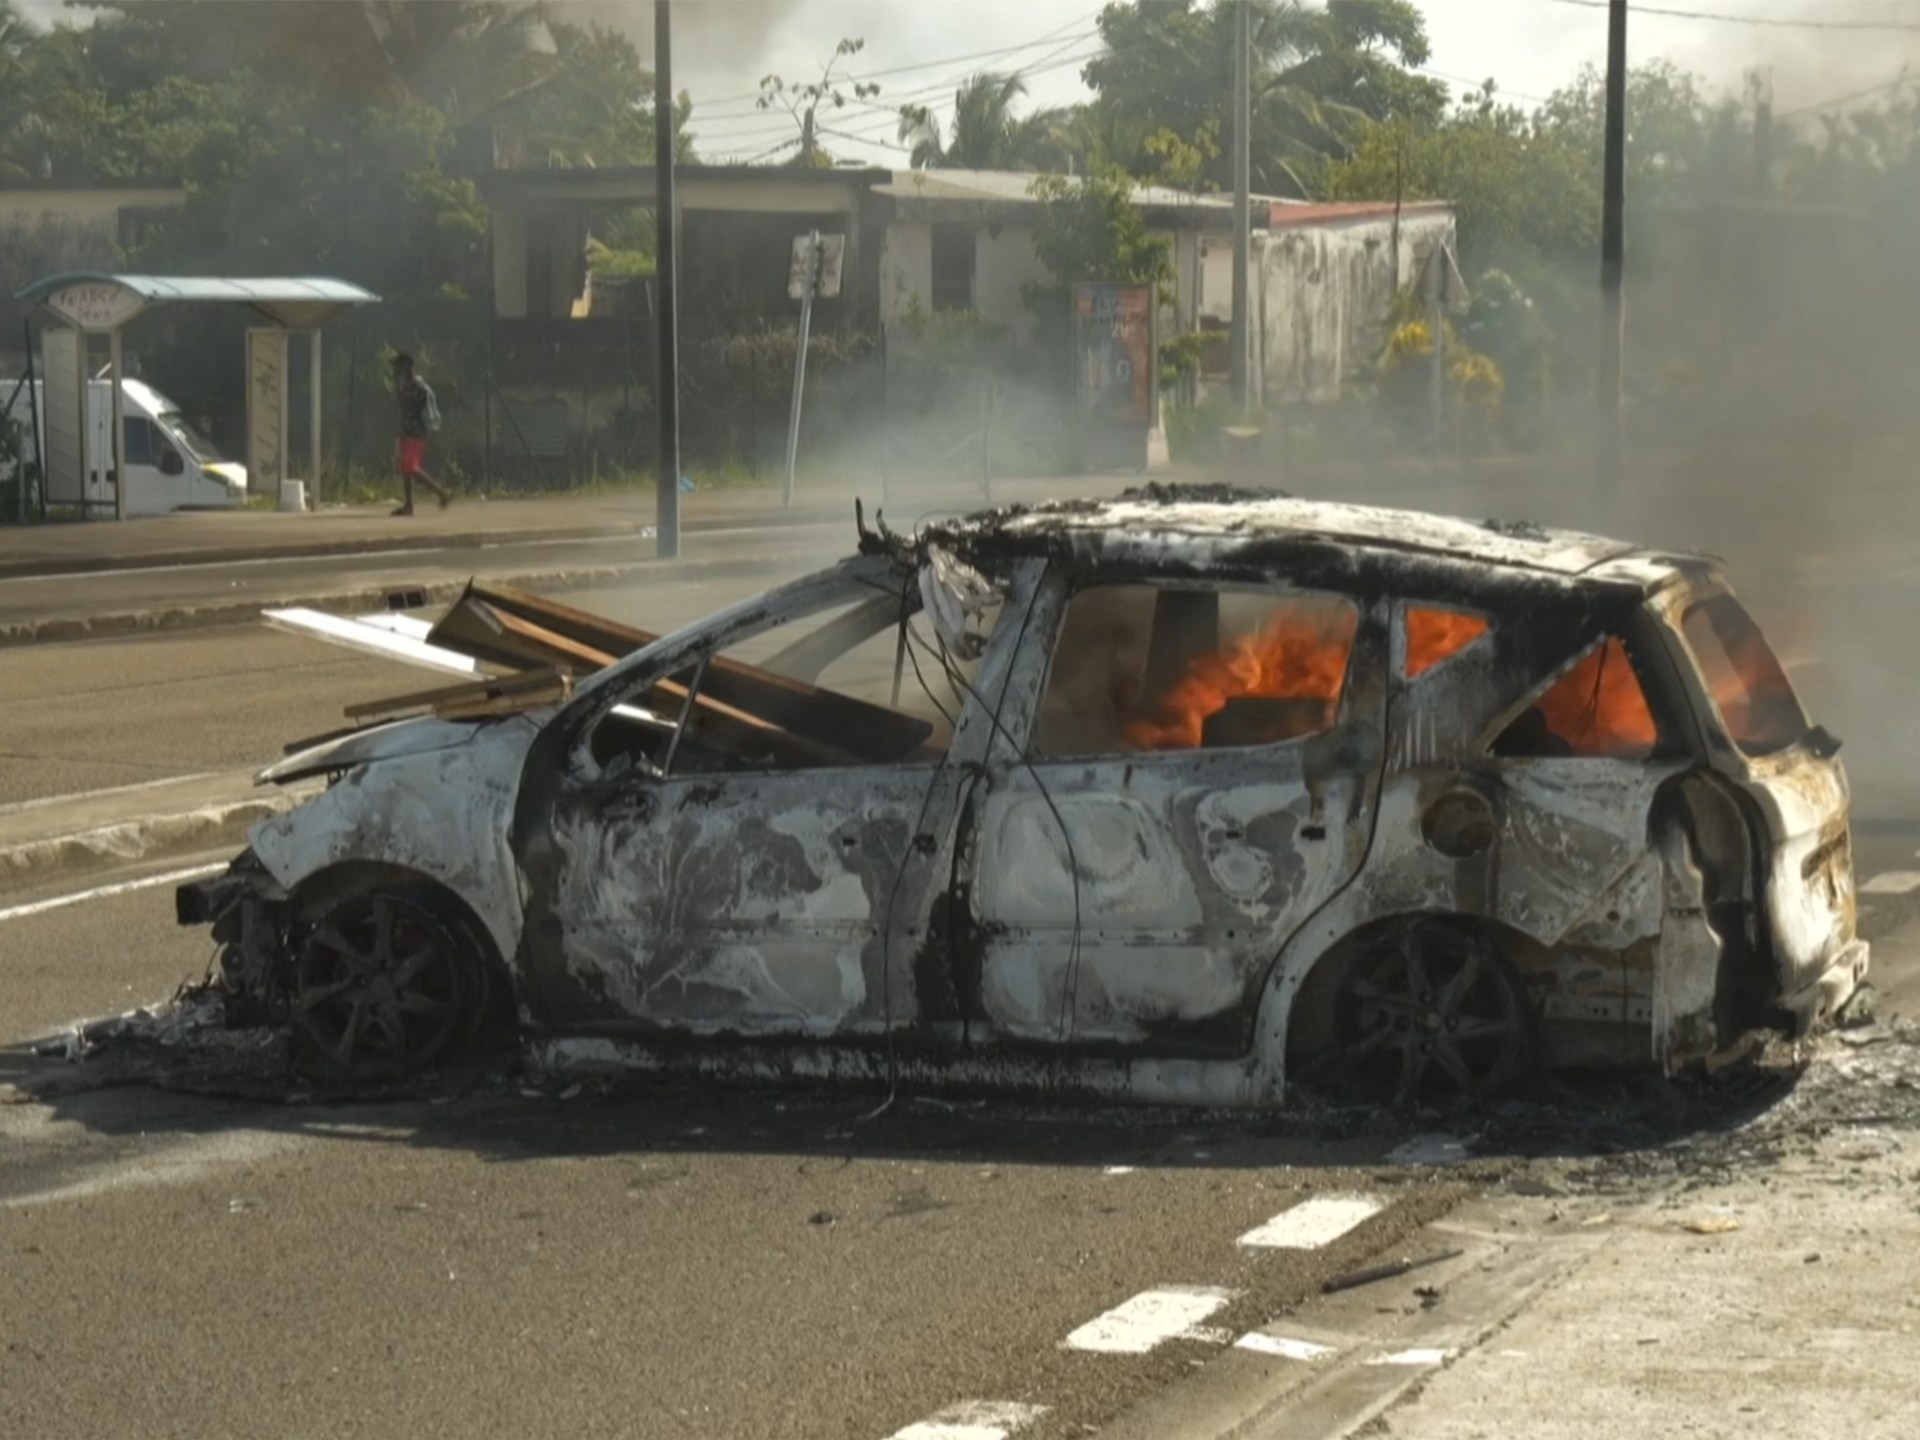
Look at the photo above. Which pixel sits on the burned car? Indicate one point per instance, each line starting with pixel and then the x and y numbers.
pixel 1176 797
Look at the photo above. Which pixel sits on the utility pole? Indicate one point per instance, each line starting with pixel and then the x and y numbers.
pixel 1242 198
pixel 1613 249
pixel 667 480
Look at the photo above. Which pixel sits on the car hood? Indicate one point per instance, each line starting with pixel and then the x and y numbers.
pixel 235 476
pixel 367 747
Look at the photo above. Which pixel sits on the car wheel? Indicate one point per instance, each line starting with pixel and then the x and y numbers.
pixel 383 984
pixel 1433 1015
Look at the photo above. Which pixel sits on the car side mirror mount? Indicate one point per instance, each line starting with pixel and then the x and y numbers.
pixel 1823 742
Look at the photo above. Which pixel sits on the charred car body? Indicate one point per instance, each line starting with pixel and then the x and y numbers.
pixel 1166 797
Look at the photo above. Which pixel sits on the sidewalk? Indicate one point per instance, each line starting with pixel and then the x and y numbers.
pixel 1780 1297
pixel 212 536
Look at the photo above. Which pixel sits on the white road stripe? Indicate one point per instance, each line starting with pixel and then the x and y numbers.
pixel 973 1420
pixel 48 801
pixel 1412 1357
pixel 107 892
pixel 1149 1319
pixel 1313 1223
pixel 1284 1346
pixel 1892 882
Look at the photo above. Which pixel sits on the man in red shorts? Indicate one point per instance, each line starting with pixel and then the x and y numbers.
pixel 418 414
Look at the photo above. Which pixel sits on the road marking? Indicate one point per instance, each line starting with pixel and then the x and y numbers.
pixel 19 806
pixel 1284 1346
pixel 1118 1170
pixel 107 892
pixel 973 1420
pixel 1412 1357
pixel 1313 1223
pixel 1149 1319
pixel 1892 882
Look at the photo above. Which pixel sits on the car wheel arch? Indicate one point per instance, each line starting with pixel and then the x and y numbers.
pixel 1301 992
pixel 325 889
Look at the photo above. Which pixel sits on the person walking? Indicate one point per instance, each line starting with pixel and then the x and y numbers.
pixel 419 413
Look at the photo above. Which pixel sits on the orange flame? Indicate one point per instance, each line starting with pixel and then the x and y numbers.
pixel 1436 635
pixel 1598 707
pixel 1300 653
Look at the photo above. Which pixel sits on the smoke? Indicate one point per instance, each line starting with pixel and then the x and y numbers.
pixel 1811 61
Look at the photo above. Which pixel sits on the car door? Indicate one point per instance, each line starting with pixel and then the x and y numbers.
pixel 1193 778
pixel 707 887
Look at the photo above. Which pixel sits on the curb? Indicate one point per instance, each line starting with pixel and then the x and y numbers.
pixel 63 629
pixel 41 568
pixel 145 837
pixel 53 569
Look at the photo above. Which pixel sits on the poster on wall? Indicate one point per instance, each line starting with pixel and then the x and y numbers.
pixel 1114 354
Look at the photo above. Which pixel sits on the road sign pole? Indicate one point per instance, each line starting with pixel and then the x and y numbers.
pixel 800 360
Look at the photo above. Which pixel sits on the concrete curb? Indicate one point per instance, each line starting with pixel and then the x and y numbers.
pixel 59 629
pixel 145 837
pixel 56 567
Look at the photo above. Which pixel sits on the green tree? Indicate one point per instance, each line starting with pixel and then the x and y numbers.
pixel 986 132
pixel 1165 82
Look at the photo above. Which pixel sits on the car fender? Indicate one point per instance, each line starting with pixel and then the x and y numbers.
pixel 444 814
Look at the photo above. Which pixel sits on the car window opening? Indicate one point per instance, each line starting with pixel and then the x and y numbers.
pixel 1436 635
pixel 859 686
pixel 1597 710
pixel 1140 668
pixel 1748 684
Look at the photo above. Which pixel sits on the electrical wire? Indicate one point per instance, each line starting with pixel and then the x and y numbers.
pixel 1776 22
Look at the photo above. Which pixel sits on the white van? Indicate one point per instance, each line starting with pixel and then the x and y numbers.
pixel 170 465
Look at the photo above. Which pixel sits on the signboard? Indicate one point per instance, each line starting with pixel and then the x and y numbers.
pixel 831 252
pixel 266 410
pixel 96 305
pixel 63 414
pixel 1113 347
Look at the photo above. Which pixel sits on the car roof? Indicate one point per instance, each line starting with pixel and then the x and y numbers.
pixel 1201 522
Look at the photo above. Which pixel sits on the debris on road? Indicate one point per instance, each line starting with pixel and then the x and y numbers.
pixel 1392 1270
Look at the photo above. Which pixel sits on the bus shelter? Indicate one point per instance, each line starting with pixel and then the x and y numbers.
pixel 92 304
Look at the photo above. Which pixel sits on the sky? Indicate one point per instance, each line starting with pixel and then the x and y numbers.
pixel 1530 47
pixel 919 50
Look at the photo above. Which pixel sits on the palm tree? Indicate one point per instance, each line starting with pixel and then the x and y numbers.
pixel 986 134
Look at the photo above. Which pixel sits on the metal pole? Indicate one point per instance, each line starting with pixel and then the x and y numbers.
pixel 667 484
pixel 1242 196
pixel 1438 320
pixel 119 427
pixel 1613 246
pixel 800 361
pixel 313 411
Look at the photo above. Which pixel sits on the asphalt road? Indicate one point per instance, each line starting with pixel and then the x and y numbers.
pixel 215 1256
pixel 653 1262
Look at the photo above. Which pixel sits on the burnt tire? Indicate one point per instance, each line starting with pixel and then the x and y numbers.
pixel 384 983
pixel 1431 1015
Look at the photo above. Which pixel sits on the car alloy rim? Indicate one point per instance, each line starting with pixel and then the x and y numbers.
pixel 379 982
pixel 1434 1014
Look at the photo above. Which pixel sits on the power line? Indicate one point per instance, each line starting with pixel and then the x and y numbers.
pixel 1034 44
pixel 1896 84
pixel 1775 22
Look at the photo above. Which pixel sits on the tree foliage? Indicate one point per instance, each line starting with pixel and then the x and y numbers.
pixel 986 132
pixel 1164 86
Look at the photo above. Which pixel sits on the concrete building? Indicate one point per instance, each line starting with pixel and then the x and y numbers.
pixel 1325 277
